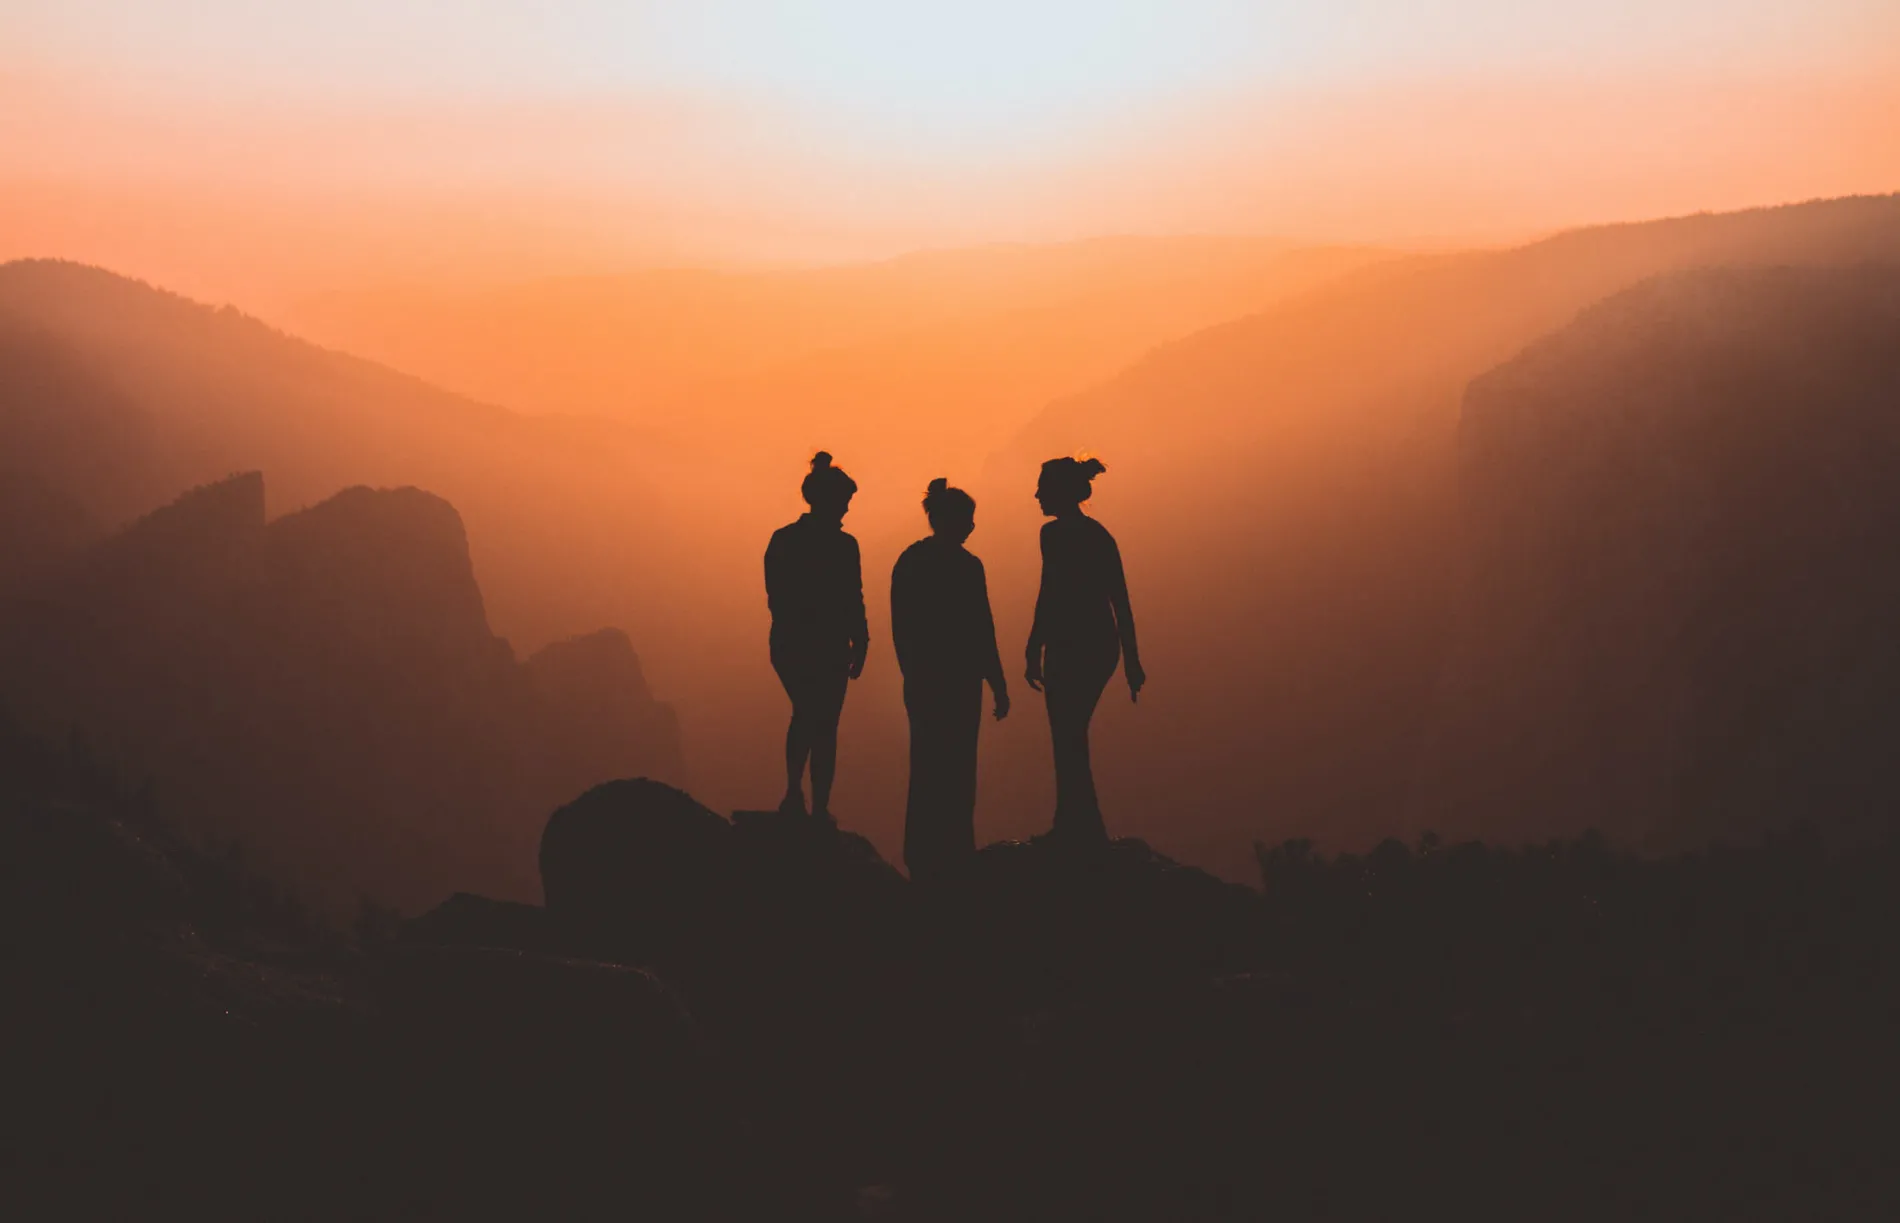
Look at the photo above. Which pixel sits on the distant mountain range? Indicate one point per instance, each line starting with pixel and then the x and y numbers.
pixel 323 690
pixel 1681 514
pixel 114 395
pixel 1285 490
pixel 988 333
pixel 1339 643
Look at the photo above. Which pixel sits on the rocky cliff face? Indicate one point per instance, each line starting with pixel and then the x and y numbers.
pixel 325 690
pixel 118 394
pixel 600 717
pixel 1680 518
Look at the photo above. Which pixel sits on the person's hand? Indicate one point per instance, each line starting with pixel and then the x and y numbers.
pixel 1034 673
pixel 1136 678
pixel 857 666
pixel 1002 704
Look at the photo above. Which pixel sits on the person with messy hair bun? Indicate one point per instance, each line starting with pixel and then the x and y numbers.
pixel 946 648
pixel 815 587
pixel 1083 627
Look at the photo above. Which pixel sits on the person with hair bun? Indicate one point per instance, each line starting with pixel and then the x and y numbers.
pixel 946 648
pixel 814 585
pixel 1083 627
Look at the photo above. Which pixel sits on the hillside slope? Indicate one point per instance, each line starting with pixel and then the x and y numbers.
pixel 1681 513
pixel 118 394
pixel 1284 490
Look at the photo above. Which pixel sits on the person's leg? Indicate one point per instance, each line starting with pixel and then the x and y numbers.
pixel 939 826
pixel 1071 702
pixel 922 816
pixel 961 730
pixel 797 739
pixel 827 707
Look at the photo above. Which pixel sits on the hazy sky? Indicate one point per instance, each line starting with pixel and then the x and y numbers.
pixel 356 138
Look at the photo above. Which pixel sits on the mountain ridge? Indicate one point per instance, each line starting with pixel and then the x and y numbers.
pixel 324 689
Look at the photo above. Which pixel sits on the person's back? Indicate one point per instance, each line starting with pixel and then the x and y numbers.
pixel 1081 578
pixel 940 613
pixel 814 588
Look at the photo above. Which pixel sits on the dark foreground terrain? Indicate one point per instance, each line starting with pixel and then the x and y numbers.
pixel 749 1019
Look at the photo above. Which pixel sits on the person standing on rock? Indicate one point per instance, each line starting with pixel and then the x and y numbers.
pixel 946 647
pixel 1083 627
pixel 814 585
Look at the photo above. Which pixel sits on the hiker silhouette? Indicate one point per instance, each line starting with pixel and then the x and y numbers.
pixel 946 648
pixel 814 585
pixel 1083 625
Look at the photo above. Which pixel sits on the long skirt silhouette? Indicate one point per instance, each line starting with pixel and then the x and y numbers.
pixel 1074 677
pixel 940 814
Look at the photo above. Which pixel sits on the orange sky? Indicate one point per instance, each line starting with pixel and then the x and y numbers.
pixel 254 151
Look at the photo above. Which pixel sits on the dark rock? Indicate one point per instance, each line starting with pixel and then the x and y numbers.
pixel 75 870
pixel 587 1086
pixel 1118 912
pixel 566 1007
pixel 641 865
pixel 819 893
pixel 468 920
pixel 638 871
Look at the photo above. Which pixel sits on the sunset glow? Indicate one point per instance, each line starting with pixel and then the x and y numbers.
pixel 370 142
pixel 1150 611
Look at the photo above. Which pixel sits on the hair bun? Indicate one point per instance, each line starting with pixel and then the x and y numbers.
pixel 937 485
pixel 1094 467
pixel 821 460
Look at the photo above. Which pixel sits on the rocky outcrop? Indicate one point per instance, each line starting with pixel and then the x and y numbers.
pixel 182 1037
pixel 1099 1035
pixel 602 718
pixel 641 866
pixel 325 689
pixel 639 871
pixel 382 575
pixel 1122 912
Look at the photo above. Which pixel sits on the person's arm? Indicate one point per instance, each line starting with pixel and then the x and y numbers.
pixel 1124 618
pixel 860 627
pixel 1037 629
pixel 993 660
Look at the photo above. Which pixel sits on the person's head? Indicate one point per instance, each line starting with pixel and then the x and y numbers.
pixel 1065 483
pixel 952 512
pixel 827 489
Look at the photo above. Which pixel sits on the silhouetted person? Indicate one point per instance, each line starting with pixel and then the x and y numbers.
pixel 1083 625
pixel 946 647
pixel 814 584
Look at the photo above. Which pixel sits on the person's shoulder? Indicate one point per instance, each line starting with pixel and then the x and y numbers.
pixel 913 555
